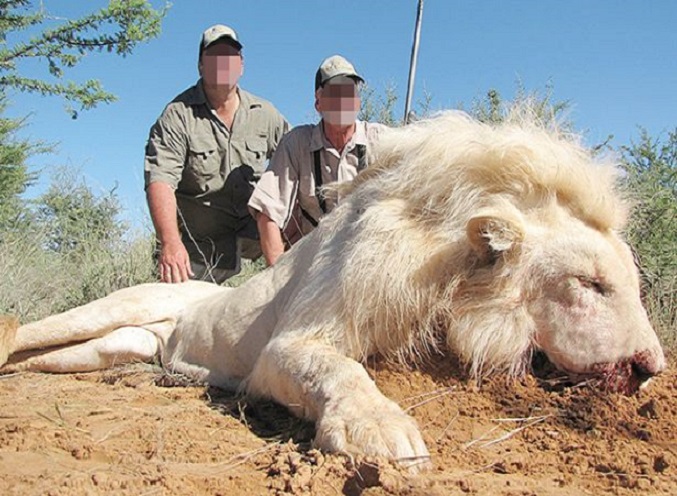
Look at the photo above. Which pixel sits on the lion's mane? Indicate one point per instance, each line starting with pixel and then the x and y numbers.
pixel 394 263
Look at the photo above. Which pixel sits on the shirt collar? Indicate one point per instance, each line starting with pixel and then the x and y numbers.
pixel 318 141
pixel 247 100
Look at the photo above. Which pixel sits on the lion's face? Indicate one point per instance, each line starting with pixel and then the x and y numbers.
pixel 586 305
pixel 558 285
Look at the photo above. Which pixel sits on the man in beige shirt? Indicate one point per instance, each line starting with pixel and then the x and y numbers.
pixel 203 158
pixel 287 202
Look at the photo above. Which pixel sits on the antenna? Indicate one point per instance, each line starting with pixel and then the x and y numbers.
pixel 412 63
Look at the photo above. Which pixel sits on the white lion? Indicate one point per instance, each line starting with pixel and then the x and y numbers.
pixel 503 239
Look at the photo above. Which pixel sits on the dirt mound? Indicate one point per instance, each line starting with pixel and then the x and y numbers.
pixel 137 431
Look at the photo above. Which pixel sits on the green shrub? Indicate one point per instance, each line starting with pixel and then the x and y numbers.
pixel 69 249
pixel 650 165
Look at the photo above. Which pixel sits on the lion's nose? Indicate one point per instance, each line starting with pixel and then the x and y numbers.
pixel 640 373
pixel 646 364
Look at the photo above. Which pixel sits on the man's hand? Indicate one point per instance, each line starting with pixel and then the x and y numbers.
pixel 173 263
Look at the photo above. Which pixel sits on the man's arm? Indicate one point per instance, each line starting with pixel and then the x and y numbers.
pixel 163 168
pixel 271 238
pixel 174 264
pixel 273 198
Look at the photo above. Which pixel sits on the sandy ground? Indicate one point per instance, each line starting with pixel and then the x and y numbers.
pixel 136 431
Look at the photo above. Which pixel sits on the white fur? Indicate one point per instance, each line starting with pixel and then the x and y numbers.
pixel 498 239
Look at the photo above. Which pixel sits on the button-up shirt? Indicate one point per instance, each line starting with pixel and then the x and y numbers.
pixel 213 169
pixel 289 182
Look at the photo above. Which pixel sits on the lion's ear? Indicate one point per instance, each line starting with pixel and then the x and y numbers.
pixel 491 234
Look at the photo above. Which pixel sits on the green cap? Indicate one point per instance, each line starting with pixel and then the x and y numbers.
pixel 332 67
pixel 219 32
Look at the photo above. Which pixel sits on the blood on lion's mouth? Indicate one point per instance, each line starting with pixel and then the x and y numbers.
pixel 610 377
pixel 627 376
pixel 620 377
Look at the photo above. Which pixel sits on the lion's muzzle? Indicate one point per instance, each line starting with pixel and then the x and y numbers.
pixel 628 375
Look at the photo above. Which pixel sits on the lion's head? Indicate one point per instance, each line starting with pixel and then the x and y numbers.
pixel 575 294
pixel 505 236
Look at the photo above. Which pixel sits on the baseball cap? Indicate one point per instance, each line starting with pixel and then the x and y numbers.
pixel 219 32
pixel 332 67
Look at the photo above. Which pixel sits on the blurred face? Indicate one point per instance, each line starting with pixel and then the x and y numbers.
pixel 221 65
pixel 338 101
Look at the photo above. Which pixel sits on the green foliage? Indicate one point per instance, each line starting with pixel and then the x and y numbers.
pixel 381 108
pixel 494 109
pixel 249 270
pixel 67 247
pixel 650 165
pixel 13 171
pixel 62 43
pixel 70 249
pixel 69 209
pixel 14 174
pixel 36 282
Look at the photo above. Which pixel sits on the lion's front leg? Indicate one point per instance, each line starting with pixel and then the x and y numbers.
pixel 352 416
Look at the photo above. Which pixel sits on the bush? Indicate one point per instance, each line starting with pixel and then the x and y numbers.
pixel 651 183
pixel 69 249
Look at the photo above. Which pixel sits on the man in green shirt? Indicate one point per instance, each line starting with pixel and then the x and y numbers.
pixel 203 158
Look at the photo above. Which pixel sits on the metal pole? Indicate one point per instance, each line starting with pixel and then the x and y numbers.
pixel 412 64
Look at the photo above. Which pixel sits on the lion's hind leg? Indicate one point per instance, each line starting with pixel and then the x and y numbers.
pixel 134 306
pixel 89 321
pixel 124 345
pixel 8 327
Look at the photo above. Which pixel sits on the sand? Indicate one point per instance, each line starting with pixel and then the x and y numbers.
pixel 134 430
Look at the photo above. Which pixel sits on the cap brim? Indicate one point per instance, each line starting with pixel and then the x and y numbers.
pixel 226 38
pixel 351 76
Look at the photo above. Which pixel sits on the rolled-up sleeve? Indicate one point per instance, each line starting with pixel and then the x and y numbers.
pixel 275 192
pixel 166 149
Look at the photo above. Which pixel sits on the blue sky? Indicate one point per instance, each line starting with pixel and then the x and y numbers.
pixel 615 61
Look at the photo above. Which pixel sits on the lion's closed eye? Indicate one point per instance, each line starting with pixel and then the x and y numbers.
pixel 594 284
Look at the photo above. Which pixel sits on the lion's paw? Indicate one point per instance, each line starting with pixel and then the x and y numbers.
pixel 381 430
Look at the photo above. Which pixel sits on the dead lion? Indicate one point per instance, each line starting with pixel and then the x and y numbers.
pixel 504 238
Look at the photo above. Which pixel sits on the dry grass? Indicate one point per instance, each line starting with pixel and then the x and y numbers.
pixel 486 439
pixel 37 282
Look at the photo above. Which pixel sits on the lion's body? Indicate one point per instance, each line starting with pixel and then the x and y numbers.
pixel 503 239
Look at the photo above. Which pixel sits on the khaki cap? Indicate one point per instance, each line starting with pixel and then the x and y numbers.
pixel 219 32
pixel 332 67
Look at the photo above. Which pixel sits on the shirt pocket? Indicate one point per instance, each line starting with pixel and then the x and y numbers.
pixel 203 165
pixel 256 151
